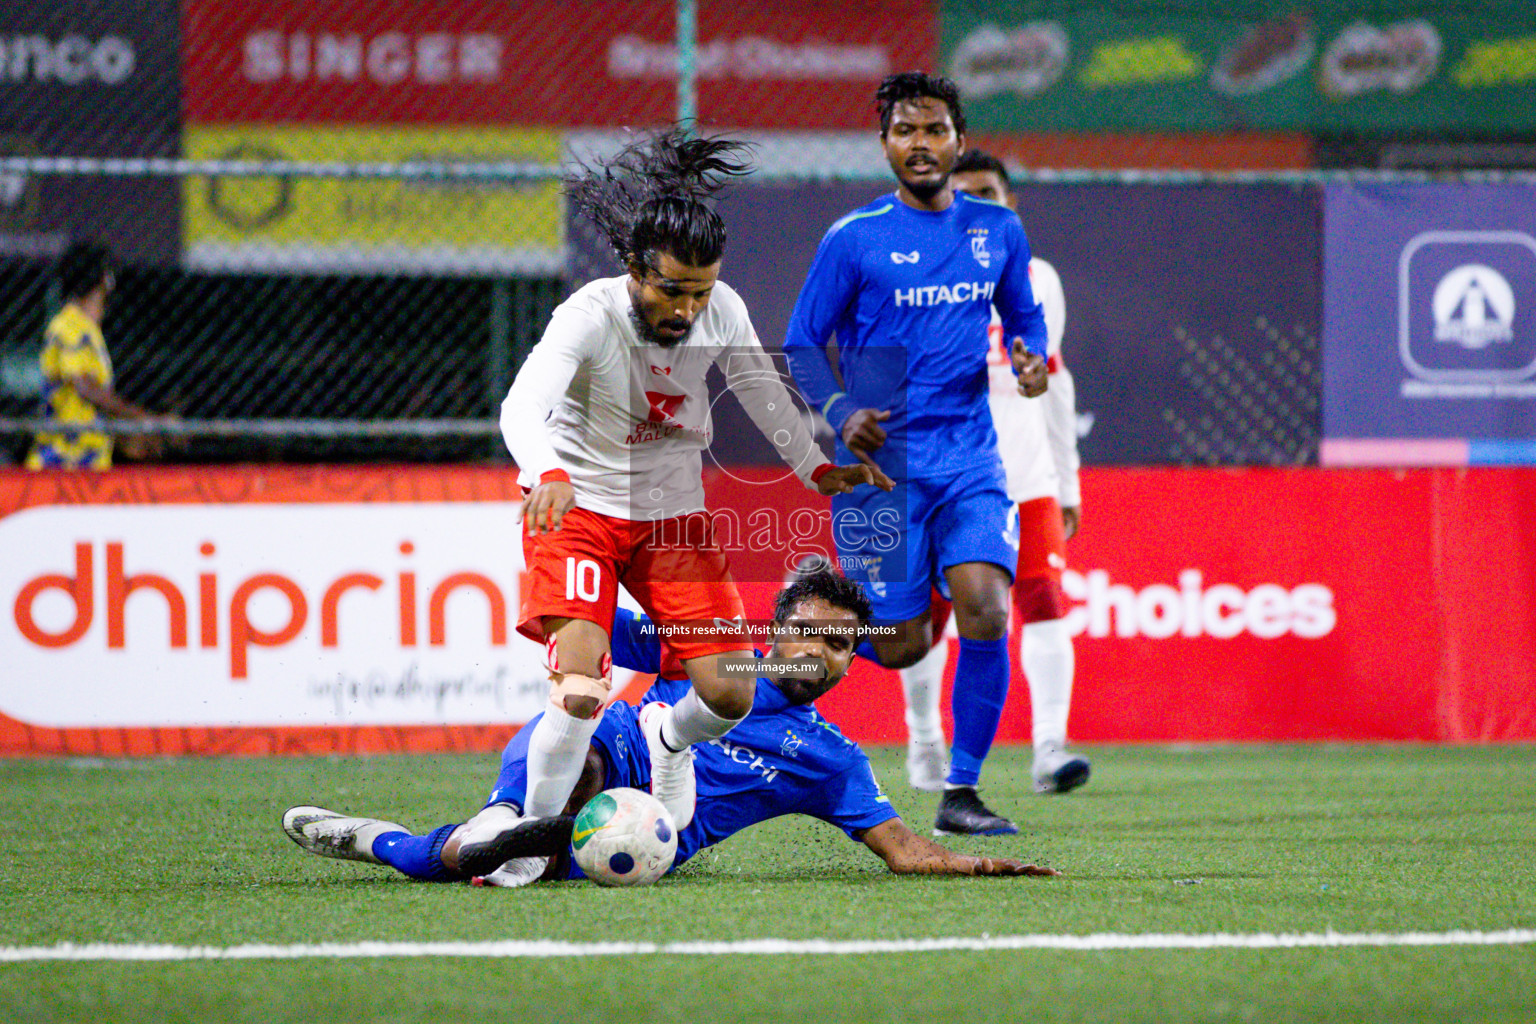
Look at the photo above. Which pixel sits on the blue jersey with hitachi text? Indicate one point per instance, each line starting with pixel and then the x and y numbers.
pixel 908 294
pixel 782 759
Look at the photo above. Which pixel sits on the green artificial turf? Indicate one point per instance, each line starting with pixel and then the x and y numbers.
pixel 1285 839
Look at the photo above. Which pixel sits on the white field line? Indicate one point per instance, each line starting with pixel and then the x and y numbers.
pixel 543 949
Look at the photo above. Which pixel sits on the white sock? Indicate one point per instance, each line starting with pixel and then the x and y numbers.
pixel 1046 652
pixel 557 751
pixel 923 684
pixel 492 820
pixel 690 721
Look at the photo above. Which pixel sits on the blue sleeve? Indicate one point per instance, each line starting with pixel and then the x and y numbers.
pixel 852 799
pixel 1015 299
pixel 635 644
pixel 830 286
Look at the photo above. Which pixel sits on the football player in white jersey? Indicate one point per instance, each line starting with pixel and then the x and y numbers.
pixel 607 420
pixel 1037 438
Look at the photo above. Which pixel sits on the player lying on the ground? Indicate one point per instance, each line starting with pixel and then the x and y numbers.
pixel 784 758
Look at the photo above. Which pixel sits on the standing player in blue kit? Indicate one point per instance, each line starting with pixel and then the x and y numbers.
pixel 906 285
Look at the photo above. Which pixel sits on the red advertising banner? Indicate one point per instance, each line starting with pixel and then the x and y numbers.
pixel 795 64
pixel 1287 605
pixel 252 610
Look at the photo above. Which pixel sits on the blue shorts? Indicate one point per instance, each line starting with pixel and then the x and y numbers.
pixel 899 544
pixel 619 738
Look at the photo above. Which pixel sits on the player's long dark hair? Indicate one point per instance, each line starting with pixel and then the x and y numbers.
pixel 651 196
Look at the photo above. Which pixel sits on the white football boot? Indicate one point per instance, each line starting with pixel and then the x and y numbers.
pixel 1058 770
pixel 927 764
pixel 672 780
pixel 514 874
pixel 329 834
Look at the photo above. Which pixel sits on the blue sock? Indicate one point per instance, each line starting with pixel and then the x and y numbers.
pixel 418 856
pixel 981 686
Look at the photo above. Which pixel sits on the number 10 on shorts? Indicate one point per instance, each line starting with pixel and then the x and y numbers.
pixel 582 578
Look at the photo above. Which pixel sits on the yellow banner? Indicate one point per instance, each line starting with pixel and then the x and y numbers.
pixel 334 224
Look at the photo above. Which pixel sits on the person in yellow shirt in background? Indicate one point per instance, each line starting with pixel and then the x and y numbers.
pixel 77 371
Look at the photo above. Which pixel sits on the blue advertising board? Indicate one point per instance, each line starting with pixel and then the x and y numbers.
pixel 1429 327
pixel 1192 318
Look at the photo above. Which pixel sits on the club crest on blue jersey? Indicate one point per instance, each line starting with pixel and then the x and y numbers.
pixel 791 745
pixel 870 565
pixel 979 246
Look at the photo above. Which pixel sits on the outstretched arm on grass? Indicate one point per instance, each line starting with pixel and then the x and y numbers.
pixel 907 853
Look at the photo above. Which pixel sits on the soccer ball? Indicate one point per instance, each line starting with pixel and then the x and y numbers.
pixel 624 837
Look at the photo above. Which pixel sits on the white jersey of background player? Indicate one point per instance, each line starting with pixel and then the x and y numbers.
pixel 1037 439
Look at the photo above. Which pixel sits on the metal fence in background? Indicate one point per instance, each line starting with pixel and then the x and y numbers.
pixel 266 367
pixel 374 346
pixel 340 227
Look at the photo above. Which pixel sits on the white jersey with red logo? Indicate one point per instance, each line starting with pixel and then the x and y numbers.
pixel 627 420
pixel 1037 437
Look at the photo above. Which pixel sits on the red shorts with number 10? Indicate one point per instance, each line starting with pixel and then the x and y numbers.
pixel 674 568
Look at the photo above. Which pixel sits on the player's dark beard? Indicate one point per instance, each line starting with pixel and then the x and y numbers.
pixel 649 334
pixel 924 191
pixel 803 691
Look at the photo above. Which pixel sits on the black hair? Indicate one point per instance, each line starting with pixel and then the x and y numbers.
pixel 913 85
pixel 83 267
pixel 650 196
pixel 981 160
pixel 817 579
